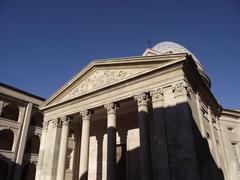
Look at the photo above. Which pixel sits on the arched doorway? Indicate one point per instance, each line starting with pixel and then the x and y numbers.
pixel 6 139
pixel 28 172
pixel 33 144
pixel 37 119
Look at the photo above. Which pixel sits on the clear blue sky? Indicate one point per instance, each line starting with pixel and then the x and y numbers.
pixel 44 43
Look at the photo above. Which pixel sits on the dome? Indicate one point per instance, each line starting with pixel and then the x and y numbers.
pixel 167 47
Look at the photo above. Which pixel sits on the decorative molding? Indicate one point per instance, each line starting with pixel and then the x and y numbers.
pixel 157 95
pixel 57 123
pixel 45 125
pixel 142 99
pixel 111 108
pixel 100 78
pixel 86 114
pixel 66 120
pixel 180 88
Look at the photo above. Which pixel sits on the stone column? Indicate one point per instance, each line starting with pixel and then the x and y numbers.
pixel 161 151
pixel 41 151
pixel 51 158
pixel 84 155
pixel 145 151
pixel 111 145
pixel 20 143
pixel 63 148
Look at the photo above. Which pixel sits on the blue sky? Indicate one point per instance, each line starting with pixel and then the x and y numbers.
pixel 44 43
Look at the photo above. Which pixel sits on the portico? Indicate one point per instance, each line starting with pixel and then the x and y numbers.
pixel 125 118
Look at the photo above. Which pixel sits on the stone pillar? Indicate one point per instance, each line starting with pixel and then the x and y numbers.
pixel 161 151
pixel 20 144
pixel 201 120
pixel 84 155
pixel 51 158
pixel 23 119
pixel 63 148
pixel 111 145
pixel 145 151
pixel 212 131
pixel 180 134
pixel 41 151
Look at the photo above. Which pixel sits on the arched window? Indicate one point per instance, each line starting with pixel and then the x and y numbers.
pixel 33 144
pixel 28 172
pixel 3 170
pixel 6 139
pixel 37 119
pixel 11 112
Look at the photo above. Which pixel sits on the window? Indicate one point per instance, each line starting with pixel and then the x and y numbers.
pixel 11 112
pixel 6 139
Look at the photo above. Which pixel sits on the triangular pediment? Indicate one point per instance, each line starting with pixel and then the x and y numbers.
pixel 100 78
pixel 101 74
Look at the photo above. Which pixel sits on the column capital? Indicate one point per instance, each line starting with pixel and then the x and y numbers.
pixel 66 120
pixel 156 95
pixel 142 99
pixel 86 114
pixel 45 124
pixel 57 122
pixel 181 88
pixel 111 108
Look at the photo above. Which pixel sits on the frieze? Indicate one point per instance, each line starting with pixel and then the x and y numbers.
pixel 100 79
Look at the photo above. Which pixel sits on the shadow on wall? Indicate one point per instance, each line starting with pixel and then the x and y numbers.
pixel 188 153
pixel 8 168
pixel 184 141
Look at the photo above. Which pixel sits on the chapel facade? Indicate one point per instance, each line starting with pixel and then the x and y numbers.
pixel 148 117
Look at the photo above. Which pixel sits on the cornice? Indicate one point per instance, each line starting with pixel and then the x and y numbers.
pixel 199 86
pixel 231 113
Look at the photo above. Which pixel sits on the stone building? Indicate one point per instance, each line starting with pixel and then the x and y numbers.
pixel 148 117
pixel 20 133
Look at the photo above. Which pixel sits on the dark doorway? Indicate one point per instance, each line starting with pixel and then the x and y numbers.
pixel 3 170
pixel 28 172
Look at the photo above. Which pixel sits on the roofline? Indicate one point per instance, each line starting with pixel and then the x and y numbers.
pixel 231 113
pixel 21 91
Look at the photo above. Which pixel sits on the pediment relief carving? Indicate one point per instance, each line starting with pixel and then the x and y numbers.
pixel 100 79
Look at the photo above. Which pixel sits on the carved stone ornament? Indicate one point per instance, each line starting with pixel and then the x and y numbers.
pixel 65 120
pixel 156 95
pixel 86 114
pixel 180 88
pixel 57 122
pixel 142 99
pixel 100 79
pixel 45 124
pixel 111 108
